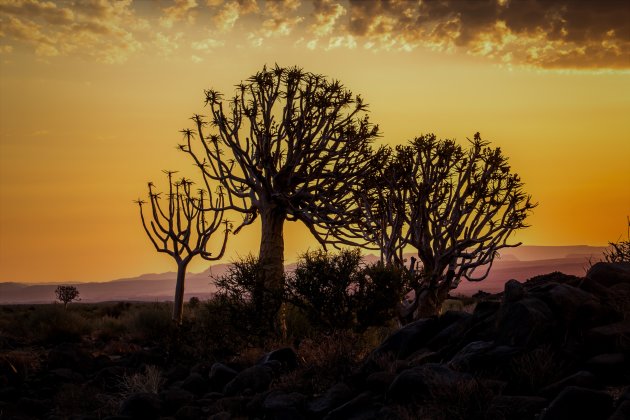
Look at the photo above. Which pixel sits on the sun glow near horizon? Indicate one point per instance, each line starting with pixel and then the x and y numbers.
pixel 88 116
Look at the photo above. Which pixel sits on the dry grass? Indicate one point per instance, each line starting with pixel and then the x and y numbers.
pixel 149 381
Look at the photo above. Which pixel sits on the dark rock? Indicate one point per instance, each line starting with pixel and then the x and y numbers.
pixel 176 373
pixel 581 379
pixel 223 415
pixel 236 406
pixel 337 395
pixel 451 333
pixel 286 356
pixel 423 381
pixel 280 405
pixel 142 406
pixel 513 291
pixel 609 367
pixel 190 413
pixel 575 306
pixel 256 379
pixel 622 412
pixel 406 340
pixel 579 403
pixel 379 382
pixel 608 274
pixel 173 399
pixel 362 407
pixel 220 375
pixel 33 407
pixel 482 356
pixel 66 375
pixel 202 368
pixel 609 338
pixel 517 407
pixel 195 383
pixel 9 393
pixel 527 322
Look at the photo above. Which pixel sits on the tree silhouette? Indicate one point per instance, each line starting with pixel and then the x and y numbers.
pixel 183 227
pixel 66 294
pixel 460 208
pixel 289 145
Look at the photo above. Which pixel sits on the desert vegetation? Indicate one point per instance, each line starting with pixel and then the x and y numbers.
pixel 335 337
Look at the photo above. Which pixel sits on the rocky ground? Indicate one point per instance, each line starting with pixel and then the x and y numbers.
pixel 555 347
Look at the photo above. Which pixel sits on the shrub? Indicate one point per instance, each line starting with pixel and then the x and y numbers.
pixel 51 323
pixel 241 296
pixel 337 292
pixel 151 322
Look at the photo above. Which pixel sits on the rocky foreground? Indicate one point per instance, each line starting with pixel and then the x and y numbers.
pixel 555 347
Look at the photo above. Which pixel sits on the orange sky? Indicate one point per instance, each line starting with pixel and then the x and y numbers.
pixel 93 95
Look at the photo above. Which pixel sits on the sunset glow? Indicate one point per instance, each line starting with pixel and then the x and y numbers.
pixel 93 95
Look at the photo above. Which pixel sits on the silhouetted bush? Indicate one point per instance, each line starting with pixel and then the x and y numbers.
pixel 337 291
pixel 51 323
pixel 241 296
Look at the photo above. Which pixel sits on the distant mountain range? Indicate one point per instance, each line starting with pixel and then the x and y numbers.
pixel 519 263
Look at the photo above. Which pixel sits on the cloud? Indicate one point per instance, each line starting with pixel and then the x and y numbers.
pixel 95 28
pixel 6 49
pixel 207 45
pixel 167 44
pixel 326 13
pixel 178 11
pixel 543 33
pixel 226 14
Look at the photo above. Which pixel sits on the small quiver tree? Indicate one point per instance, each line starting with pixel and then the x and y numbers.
pixel 463 205
pixel 182 226
pixel 66 294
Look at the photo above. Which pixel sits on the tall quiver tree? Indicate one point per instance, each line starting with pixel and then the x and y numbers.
pixel 289 145
pixel 182 226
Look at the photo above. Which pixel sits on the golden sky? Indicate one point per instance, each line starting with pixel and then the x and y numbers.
pixel 93 95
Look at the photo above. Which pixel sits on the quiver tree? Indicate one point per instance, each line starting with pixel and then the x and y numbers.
pixel 381 209
pixel 182 225
pixel 460 207
pixel 289 145
pixel 66 294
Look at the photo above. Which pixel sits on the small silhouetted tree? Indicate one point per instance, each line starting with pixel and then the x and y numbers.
pixel 460 206
pixel 288 146
pixel 66 294
pixel 182 225
pixel 619 251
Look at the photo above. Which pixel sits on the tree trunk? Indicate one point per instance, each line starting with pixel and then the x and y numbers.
pixel 271 258
pixel 178 303
pixel 430 299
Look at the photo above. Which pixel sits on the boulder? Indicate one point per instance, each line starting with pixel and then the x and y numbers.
pixel 513 291
pixel 579 403
pixel 189 412
pixel 622 412
pixel 583 379
pixel 609 367
pixel 337 395
pixel 141 406
pixel 576 306
pixel 220 375
pixel 610 338
pixel 422 382
pixel 286 356
pixel 608 274
pixel 280 405
pixel 406 340
pixel 362 407
pixel 174 399
pixel 256 379
pixel 195 383
pixel 525 323
pixel 482 356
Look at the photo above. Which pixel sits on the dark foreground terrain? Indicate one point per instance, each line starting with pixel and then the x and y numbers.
pixel 555 347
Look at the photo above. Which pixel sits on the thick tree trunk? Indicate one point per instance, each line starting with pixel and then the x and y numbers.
pixel 271 258
pixel 430 299
pixel 178 303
